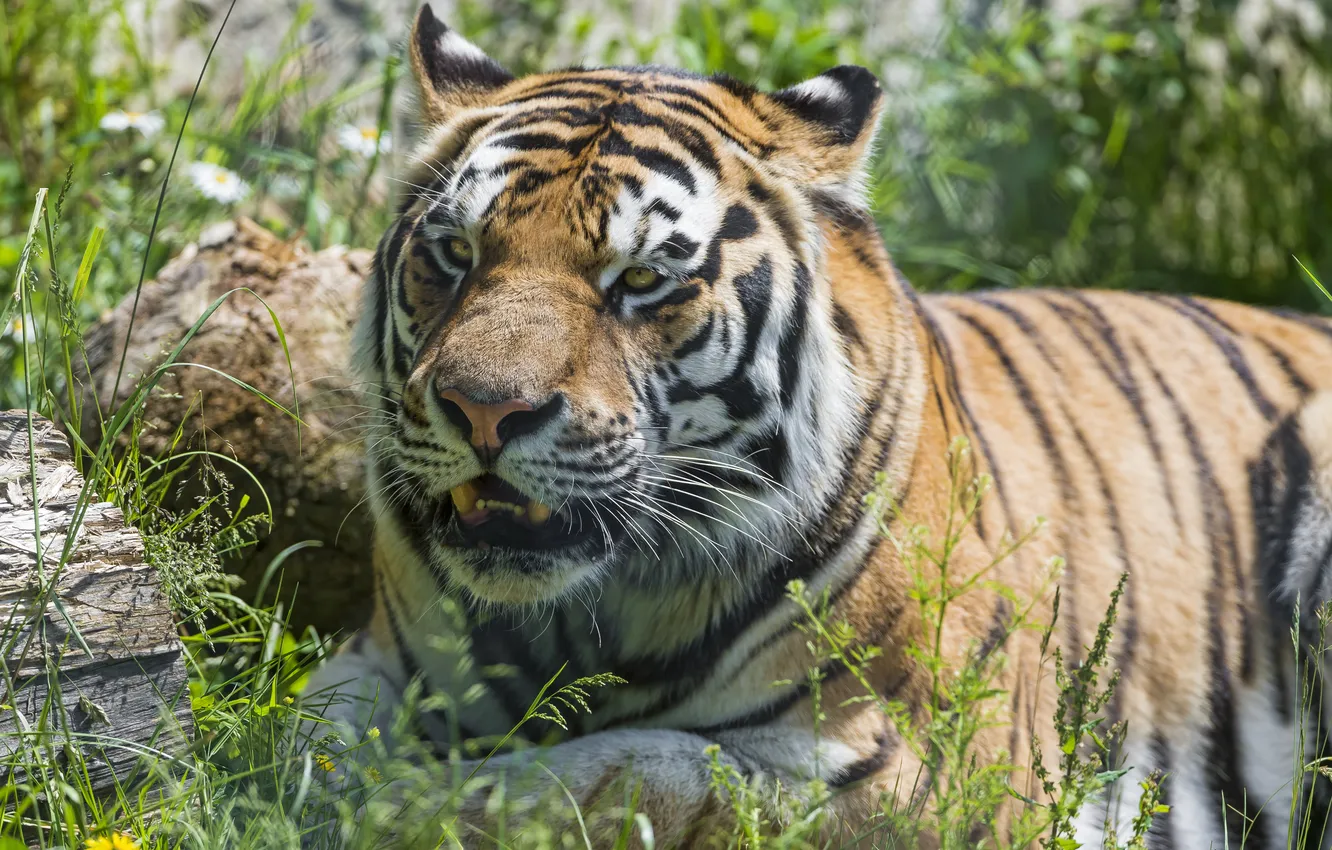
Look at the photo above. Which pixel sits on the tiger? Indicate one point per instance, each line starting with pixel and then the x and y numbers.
pixel 638 354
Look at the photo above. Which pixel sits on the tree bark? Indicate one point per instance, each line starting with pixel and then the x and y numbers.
pixel 91 659
pixel 313 476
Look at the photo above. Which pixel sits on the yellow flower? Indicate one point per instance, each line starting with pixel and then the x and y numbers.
pixel 323 762
pixel 287 700
pixel 373 775
pixel 373 733
pixel 114 841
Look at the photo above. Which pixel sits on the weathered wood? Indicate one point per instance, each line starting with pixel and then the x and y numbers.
pixel 314 477
pixel 89 631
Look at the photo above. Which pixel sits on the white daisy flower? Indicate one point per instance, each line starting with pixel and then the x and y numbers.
pixel 147 123
pixel 365 140
pixel 217 183
pixel 14 330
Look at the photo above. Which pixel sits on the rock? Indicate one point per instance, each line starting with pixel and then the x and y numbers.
pixel 312 475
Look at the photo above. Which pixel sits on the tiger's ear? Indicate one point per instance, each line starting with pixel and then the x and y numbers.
pixel 451 72
pixel 829 124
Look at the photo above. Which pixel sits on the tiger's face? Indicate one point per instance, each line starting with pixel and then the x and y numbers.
pixel 599 327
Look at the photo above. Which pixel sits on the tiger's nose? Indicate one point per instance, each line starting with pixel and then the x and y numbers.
pixel 488 426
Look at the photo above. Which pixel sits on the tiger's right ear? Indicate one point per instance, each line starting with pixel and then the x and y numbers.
pixel 451 72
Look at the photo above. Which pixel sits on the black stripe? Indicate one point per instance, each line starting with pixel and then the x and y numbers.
pixel 378 310
pixel 1278 483
pixel 709 270
pixel 698 340
pixel 846 326
pixel 1317 324
pixel 405 656
pixel 743 399
pixel 681 294
pixel 1220 530
pixel 968 422
pixel 760 716
pixel 677 246
pixel 1224 778
pixel 778 211
pixel 654 159
pixel 628 113
pixel 694 662
pixel 739 223
pixel 706 109
pixel 1003 610
pixel 863 769
pixel 402 353
pixel 539 141
pixel 678 109
pixel 1129 632
pixel 411 518
pixel 789 348
pixel 662 208
pixel 414 671
pixel 493 647
pixel 856 488
pixel 1160 836
pixel 1293 377
pixel 1120 373
pixel 472 172
pixel 769 453
pixel 754 290
pixel 567 116
pixel 1055 457
pixel 1223 337
pixel 389 259
pixel 568 89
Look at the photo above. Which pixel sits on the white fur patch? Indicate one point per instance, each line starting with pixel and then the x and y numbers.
pixel 453 45
pixel 820 88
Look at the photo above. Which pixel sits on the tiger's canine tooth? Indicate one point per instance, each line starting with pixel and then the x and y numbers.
pixel 538 512
pixel 464 497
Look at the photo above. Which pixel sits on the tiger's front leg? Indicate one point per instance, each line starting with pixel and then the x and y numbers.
pixel 606 779
pixel 679 781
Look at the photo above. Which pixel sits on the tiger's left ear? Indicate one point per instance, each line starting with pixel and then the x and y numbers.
pixel 831 121
pixel 451 72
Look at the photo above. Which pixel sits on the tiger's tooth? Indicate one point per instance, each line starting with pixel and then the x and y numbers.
pixel 538 512
pixel 464 497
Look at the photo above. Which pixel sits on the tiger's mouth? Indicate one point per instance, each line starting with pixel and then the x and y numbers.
pixel 490 497
pixel 489 512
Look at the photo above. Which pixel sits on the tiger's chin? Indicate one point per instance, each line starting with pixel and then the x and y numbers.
pixel 512 579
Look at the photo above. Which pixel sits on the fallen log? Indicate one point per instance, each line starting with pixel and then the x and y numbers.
pixel 312 475
pixel 94 674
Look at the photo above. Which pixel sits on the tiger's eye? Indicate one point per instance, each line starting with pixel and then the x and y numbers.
pixel 640 278
pixel 460 251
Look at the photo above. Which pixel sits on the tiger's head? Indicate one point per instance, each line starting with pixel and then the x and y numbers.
pixel 600 330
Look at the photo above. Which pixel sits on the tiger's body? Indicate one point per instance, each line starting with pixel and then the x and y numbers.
pixel 717 430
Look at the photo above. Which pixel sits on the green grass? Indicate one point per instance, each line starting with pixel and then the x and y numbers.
pixel 88 212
